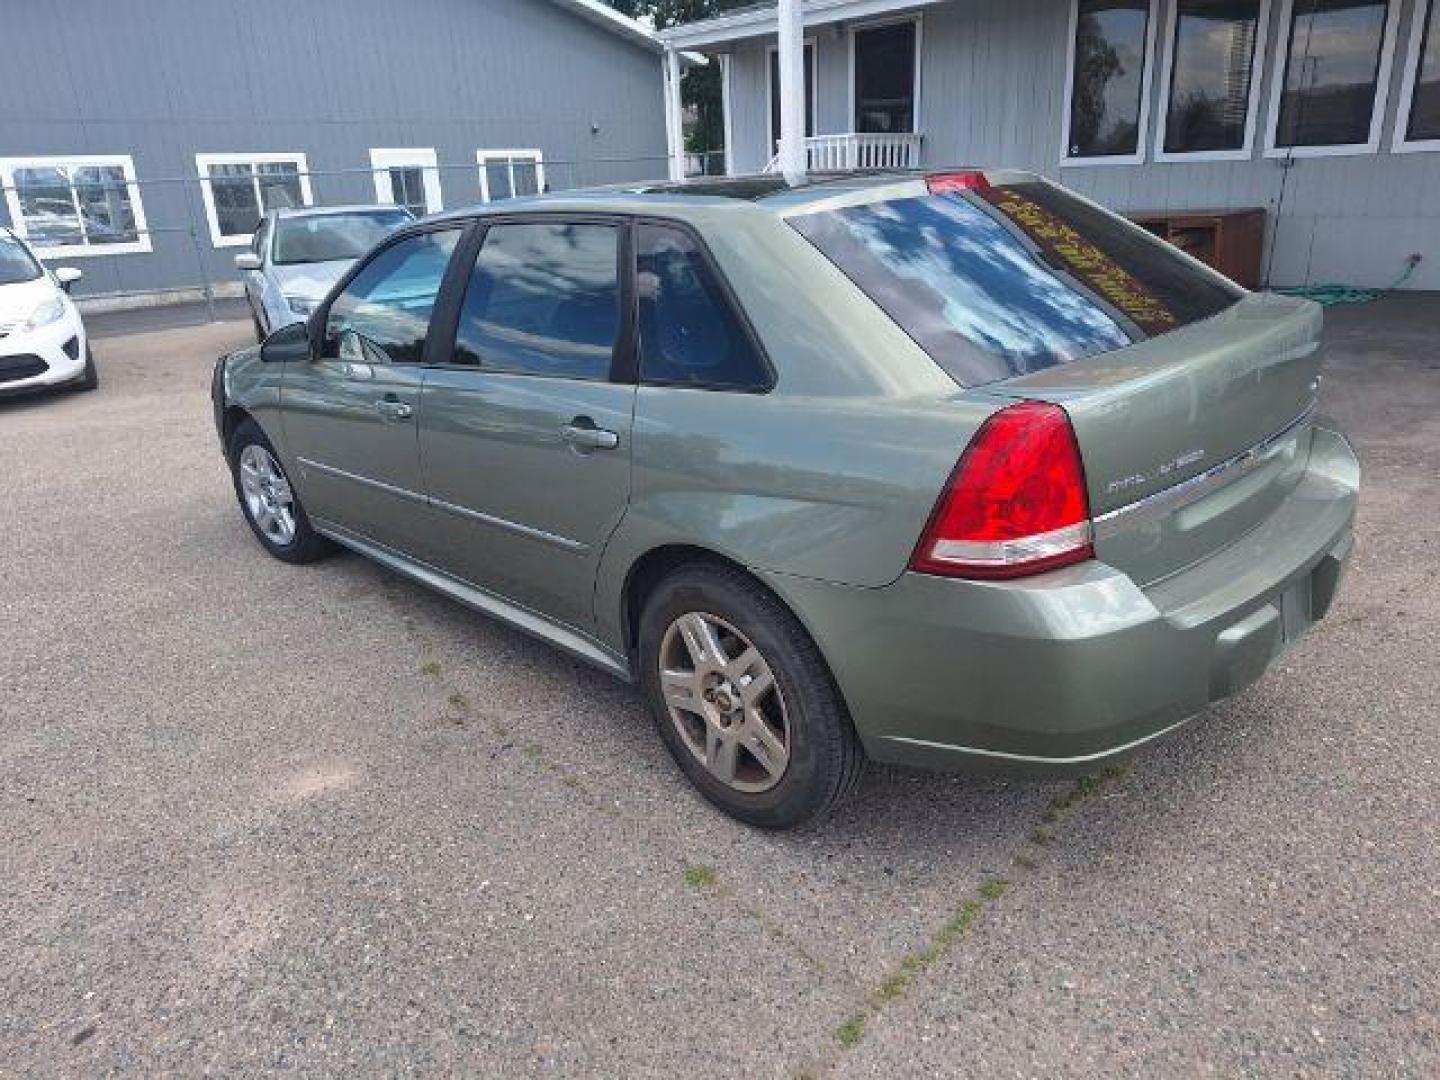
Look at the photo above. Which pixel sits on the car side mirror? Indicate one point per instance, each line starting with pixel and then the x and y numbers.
pixel 66 276
pixel 290 344
pixel 247 260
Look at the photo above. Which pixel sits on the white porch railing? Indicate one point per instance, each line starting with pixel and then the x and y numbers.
pixel 859 150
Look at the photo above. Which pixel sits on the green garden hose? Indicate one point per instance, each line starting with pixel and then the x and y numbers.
pixel 1331 294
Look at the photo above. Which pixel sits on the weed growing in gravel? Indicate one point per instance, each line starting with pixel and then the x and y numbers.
pixel 700 876
pixel 850 1032
pixel 430 668
pixel 994 888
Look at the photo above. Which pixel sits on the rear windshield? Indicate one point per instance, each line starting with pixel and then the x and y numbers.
pixel 328 237
pixel 996 280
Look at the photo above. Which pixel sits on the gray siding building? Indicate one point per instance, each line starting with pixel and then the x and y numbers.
pixel 1326 115
pixel 139 141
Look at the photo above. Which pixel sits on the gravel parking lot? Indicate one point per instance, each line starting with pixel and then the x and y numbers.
pixel 256 817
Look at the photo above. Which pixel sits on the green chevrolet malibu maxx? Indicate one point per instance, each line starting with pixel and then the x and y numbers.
pixel 953 469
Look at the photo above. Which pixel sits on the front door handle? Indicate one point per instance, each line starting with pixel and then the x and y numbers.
pixel 392 409
pixel 582 434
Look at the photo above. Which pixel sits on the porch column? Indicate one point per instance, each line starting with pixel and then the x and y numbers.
pixel 674 126
pixel 791 60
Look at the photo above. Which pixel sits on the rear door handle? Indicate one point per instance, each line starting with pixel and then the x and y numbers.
pixel 586 436
pixel 391 409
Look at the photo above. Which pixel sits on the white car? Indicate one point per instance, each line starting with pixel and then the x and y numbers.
pixel 42 340
pixel 298 254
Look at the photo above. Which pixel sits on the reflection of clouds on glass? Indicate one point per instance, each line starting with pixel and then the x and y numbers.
pixel 984 284
pixel 1340 46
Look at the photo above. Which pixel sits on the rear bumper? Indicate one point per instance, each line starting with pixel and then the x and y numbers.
pixel 1059 672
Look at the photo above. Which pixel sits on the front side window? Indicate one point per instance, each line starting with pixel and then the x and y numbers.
pixel 16 263
pixel 544 299
pixel 999 279
pixel 1109 72
pixel 1419 119
pixel 238 190
pixel 384 313
pixel 1212 67
pixel 689 335
pixel 510 174
pixel 1330 89
pixel 332 237
pixel 885 59
pixel 75 206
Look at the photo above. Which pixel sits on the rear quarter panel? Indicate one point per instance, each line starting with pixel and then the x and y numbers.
pixel 830 475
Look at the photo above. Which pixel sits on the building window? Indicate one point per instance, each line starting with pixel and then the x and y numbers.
pixel 773 88
pixel 509 174
pixel 1333 62
pixel 1211 77
pixel 1417 125
pixel 885 77
pixel 239 189
pixel 75 205
pixel 1108 84
pixel 408 178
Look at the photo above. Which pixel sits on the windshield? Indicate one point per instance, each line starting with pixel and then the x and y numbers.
pixel 328 237
pixel 16 262
pixel 995 280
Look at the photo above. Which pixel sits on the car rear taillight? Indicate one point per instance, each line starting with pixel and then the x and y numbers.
pixel 1016 502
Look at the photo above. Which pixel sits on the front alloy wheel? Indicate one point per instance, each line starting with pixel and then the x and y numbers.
pixel 268 498
pixel 724 702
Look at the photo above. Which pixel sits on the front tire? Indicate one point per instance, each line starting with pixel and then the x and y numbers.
pixel 89 378
pixel 269 503
pixel 743 699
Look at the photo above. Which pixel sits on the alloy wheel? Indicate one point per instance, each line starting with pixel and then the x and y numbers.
pixel 268 498
pixel 724 701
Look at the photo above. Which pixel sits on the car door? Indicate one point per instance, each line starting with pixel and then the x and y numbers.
pixel 525 426
pixel 350 413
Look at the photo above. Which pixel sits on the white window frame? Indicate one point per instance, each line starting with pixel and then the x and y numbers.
pixel 1277 86
pixel 140 245
pixel 485 157
pixel 382 161
pixel 774 50
pixel 1252 107
pixel 1400 144
pixel 875 24
pixel 1147 77
pixel 202 166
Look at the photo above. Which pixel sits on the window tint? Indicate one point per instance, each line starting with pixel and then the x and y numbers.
pixel 1004 279
pixel 688 332
pixel 1424 119
pixel 543 299
pixel 885 78
pixel 388 303
pixel 1109 73
pixel 1214 52
pixel 1331 70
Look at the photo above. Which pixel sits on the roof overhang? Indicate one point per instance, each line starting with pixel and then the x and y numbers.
pixel 763 21
pixel 604 15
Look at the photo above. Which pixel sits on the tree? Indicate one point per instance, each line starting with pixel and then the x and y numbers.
pixel 700 87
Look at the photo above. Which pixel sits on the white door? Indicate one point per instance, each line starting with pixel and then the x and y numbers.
pixel 408 178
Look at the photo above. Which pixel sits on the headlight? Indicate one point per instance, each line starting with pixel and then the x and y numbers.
pixel 301 305
pixel 49 311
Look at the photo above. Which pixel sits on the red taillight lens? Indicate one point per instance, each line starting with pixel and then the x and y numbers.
pixel 1015 504
pixel 969 180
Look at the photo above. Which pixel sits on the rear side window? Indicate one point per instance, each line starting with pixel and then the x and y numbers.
pixel 689 336
pixel 996 280
pixel 544 299
pixel 387 305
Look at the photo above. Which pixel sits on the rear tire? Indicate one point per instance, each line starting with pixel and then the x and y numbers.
pixel 760 729
pixel 271 507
